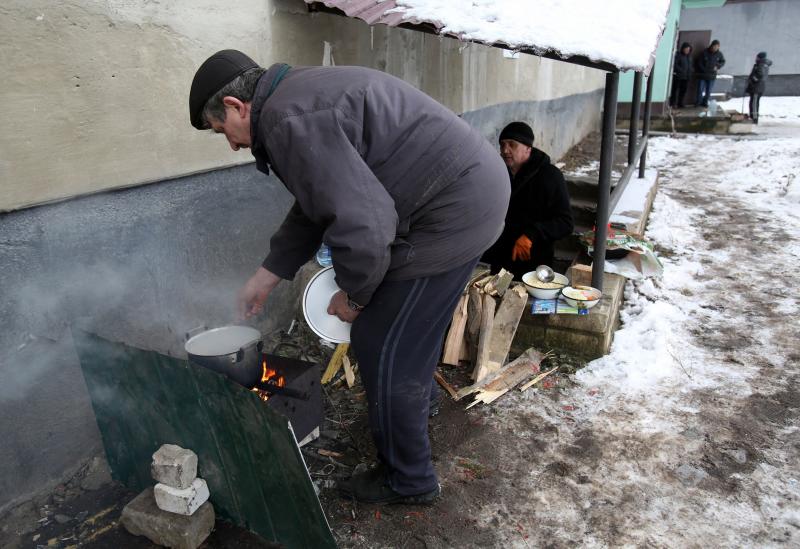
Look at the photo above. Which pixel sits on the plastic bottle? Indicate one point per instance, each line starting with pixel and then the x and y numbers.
pixel 324 256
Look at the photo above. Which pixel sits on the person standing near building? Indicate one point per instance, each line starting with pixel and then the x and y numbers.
pixel 539 212
pixel 708 64
pixel 681 72
pixel 406 195
pixel 756 83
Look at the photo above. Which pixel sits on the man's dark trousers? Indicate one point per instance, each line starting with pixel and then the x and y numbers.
pixel 397 341
pixel 704 88
pixel 755 100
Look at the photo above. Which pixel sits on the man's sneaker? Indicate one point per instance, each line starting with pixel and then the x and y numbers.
pixel 373 487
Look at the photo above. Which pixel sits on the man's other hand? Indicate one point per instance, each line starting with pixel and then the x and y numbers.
pixel 251 298
pixel 339 307
pixel 522 249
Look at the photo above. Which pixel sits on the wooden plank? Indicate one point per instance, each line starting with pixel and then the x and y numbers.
pixel 455 336
pixel 505 325
pixel 484 340
pixel 335 362
pixel 349 374
pixel 537 379
pixel 506 379
pixel 446 386
pixel 474 308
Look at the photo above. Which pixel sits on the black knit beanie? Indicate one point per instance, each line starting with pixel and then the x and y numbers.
pixel 518 131
pixel 762 55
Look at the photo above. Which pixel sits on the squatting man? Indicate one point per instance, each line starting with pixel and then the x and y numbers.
pixel 406 195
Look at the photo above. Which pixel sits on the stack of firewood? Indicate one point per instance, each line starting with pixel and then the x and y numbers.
pixel 483 328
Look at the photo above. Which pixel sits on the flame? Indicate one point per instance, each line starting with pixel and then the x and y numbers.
pixel 269 375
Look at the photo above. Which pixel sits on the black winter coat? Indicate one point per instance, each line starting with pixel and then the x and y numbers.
pixel 756 82
pixel 682 66
pixel 708 62
pixel 540 209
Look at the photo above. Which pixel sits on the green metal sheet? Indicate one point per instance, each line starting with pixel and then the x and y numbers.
pixel 247 452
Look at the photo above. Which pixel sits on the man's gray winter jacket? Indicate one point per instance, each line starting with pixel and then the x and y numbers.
pixel 396 184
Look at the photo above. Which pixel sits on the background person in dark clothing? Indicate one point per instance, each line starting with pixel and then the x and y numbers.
pixel 539 212
pixel 708 64
pixel 681 72
pixel 406 195
pixel 756 83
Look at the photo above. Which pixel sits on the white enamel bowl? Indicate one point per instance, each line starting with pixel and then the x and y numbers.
pixel 530 281
pixel 582 297
pixel 316 298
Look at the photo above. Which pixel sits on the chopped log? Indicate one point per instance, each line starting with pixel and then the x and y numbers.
pixel 505 325
pixel 478 274
pixel 335 362
pixel 537 379
pixel 464 353
pixel 446 386
pixel 485 338
pixel 349 374
pixel 474 308
pixel 498 285
pixel 506 379
pixel 455 336
pixel 481 282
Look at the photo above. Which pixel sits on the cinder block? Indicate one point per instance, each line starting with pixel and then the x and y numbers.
pixel 181 502
pixel 141 517
pixel 174 466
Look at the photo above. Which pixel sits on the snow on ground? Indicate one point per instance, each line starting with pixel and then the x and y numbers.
pixel 622 32
pixel 768 107
pixel 686 434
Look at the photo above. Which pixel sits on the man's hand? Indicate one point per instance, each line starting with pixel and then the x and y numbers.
pixel 251 298
pixel 522 249
pixel 339 307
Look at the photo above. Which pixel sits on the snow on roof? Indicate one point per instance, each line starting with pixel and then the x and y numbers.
pixel 620 33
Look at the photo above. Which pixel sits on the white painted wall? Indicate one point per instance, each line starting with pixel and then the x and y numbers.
pixel 95 92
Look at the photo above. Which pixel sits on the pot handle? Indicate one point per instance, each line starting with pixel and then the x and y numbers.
pixel 240 352
pixel 194 331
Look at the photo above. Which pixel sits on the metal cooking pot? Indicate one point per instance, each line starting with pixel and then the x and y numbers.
pixel 231 350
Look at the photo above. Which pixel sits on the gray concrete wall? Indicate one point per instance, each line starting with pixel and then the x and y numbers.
pixel 139 265
pixel 95 92
pixel 746 28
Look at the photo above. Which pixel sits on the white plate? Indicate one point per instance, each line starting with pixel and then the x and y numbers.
pixel 316 298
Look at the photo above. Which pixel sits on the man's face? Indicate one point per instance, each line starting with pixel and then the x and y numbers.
pixel 715 47
pixel 514 153
pixel 686 50
pixel 237 123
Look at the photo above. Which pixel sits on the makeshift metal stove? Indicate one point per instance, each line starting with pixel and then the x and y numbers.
pixel 291 387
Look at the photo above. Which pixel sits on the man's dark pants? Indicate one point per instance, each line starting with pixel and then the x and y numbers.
pixel 397 341
pixel 755 99
pixel 704 88
pixel 678 93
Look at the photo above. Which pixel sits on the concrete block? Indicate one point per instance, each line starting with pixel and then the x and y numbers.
pixel 174 466
pixel 182 502
pixel 142 517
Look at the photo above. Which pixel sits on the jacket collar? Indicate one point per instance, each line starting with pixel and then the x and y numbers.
pixel 266 85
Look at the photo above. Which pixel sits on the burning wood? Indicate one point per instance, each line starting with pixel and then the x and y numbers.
pixel 271 377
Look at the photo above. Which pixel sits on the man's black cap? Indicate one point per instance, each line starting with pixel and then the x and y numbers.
pixel 518 131
pixel 762 55
pixel 213 74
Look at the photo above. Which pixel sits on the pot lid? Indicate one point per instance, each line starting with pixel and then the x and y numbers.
pixel 222 341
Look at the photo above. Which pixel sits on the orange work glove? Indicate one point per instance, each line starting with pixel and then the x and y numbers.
pixel 522 249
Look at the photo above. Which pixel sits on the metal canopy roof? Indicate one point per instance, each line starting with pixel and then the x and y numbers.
pixel 580 39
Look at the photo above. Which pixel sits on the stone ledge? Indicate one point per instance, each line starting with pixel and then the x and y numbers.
pixel 588 336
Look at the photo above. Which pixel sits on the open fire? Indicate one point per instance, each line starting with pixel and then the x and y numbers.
pixel 269 376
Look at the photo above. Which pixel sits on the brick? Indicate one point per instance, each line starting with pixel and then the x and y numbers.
pixel 182 502
pixel 142 517
pixel 174 466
